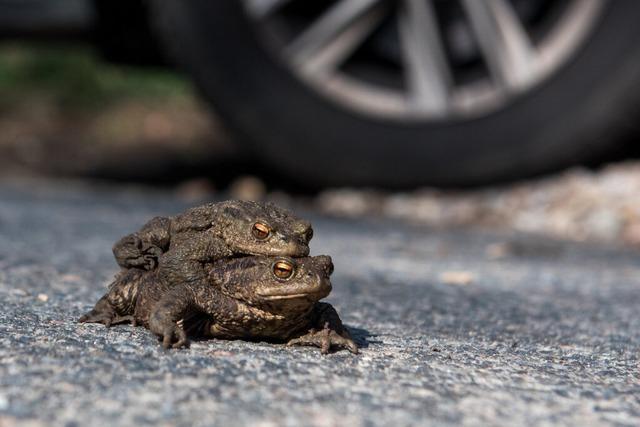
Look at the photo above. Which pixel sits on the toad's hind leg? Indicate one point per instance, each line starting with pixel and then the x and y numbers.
pixel 103 312
pixel 117 305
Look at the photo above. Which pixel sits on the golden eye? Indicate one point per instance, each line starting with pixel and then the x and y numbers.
pixel 283 269
pixel 260 231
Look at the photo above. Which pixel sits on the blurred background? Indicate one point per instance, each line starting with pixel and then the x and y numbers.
pixel 506 114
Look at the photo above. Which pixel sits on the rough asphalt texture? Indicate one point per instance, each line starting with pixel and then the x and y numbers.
pixel 547 335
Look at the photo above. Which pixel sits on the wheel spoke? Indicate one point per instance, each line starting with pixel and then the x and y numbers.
pixel 435 85
pixel 326 29
pixel 427 73
pixel 507 49
pixel 263 8
pixel 331 56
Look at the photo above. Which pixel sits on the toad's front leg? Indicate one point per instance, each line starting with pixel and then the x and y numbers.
pixel 132 252
pixel 165 319
pixel 143 248
pixel 327 331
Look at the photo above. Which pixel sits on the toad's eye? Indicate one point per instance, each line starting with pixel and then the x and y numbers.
pixel 283 269
pixel 260 231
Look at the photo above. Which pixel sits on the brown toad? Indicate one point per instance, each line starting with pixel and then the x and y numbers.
pixel 214 231
pixel 254 298
pixel 177 248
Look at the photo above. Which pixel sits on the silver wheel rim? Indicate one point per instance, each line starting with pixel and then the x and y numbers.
pixel 514 63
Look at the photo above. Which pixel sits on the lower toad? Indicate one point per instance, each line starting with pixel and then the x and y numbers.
pixel 253 298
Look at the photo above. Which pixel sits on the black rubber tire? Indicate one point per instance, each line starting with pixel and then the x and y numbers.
pixel 573 117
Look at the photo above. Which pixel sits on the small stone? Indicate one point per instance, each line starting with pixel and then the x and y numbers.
pixel 195 190
pixel 631 234
pixel 603 224
pixel 4 403
pixel 247 188
pixel 497 250
pixel 461 278
pixel 43 297
pixel 348 202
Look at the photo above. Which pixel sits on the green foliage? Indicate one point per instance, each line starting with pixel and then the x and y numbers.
pixel 73 77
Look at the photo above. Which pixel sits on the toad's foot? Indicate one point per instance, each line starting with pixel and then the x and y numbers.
pixel 171 333
pixel 97 316
pixel 108 319
pixel 124 319
pixel 325 339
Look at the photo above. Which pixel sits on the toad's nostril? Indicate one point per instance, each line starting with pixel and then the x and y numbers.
pixel 329 269
pixel 302 226
pixel 306 237
pixel 305 232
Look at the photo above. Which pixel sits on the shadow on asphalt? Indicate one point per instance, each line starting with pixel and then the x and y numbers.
pixel 362 336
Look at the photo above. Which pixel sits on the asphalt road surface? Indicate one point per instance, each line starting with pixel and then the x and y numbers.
pixel 457 328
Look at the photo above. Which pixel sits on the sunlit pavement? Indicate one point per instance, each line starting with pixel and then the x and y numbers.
pixel 457 327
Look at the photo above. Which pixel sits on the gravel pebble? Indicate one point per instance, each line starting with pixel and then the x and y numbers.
pixel 578 205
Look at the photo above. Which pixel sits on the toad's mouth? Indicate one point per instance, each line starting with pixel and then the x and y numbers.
pixel 315 294
pixel 294 248
pixel 289 296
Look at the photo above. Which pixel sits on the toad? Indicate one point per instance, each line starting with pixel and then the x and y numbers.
pixel 274 299
pixel 213 231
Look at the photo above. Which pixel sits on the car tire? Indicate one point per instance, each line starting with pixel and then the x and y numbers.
pixel 574 116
